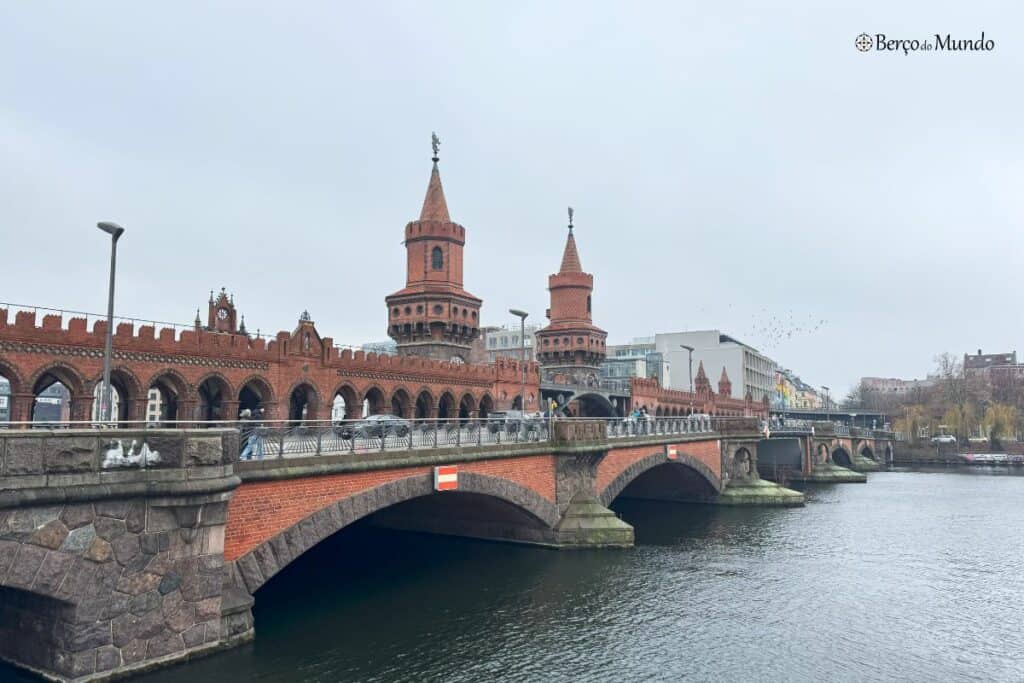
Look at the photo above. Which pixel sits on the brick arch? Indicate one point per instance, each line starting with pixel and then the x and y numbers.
pixel 865 450
pixel 314 399
pixel 404 400
pixel 129 393
pixel 447 398
pixel 256 567
pixel 485 406
pixel 66 374
pixel 227 394
pixel 468 402
pixel 349 394
pixel 381 405
pixel 13 376
pixel 641 465
pixel 424 402
pixel 266 387
pixel 186 390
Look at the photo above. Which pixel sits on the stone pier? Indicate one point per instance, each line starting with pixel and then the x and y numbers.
pixel 111 548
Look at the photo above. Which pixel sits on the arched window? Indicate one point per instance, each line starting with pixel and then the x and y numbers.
pixel 588 303
pixel 436 258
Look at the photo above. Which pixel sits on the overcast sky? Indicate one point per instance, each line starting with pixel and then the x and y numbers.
pixel 732 165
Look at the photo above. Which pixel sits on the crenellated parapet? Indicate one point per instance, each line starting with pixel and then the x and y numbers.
pixel 648 392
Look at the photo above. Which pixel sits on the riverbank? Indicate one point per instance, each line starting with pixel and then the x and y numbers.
pixel 910 456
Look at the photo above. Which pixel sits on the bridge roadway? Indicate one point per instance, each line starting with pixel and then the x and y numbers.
pixel 123 549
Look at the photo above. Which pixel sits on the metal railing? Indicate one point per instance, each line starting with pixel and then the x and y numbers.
pixel 265 439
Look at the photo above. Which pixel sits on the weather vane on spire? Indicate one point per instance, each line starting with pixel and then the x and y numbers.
pixel 435 143
pixel 571 212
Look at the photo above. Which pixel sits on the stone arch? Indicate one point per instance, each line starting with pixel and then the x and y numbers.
pixel 303 401
pixel 401 403
pixel 350 408
pixel 467 406
pixel 215 393
pixel 255 395
pixel 486 405
pixel 256 567
pixel 446 406
pixel 424 406
pixel 131 397
pixel 695 467
pixel 375 401
pixel 822 454
pixel 866 451
pixel 841 457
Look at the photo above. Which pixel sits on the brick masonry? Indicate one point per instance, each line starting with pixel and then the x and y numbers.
pixel 260 510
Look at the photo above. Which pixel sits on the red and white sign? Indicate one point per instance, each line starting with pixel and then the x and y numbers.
pixel 673 454
pixel 446 478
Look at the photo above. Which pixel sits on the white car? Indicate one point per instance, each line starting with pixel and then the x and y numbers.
pixel 944 438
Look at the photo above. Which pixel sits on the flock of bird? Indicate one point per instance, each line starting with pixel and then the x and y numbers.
pixel 767 330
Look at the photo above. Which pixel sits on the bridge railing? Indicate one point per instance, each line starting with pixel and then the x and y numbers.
pixel 263 439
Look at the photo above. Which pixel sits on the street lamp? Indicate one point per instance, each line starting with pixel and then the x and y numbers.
pixel 690 350
pixel 115 231
pixel 828 412
pixel 522 355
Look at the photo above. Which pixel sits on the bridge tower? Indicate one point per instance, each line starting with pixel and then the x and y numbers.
pixel 571 347
pixel 433 316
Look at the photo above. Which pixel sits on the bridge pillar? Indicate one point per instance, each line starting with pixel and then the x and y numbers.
pixel 585 522
pixel 819 467
pixel 111 549
pixel 741 483
pixel 21 407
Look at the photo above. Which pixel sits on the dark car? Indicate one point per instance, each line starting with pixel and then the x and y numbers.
pixel 375 426
pixel 511 421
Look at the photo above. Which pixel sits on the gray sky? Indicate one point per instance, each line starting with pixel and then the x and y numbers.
pixel 728 162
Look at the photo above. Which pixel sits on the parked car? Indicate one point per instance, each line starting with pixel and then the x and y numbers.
pixel 943 438
pixel 511 421
pixel 375 426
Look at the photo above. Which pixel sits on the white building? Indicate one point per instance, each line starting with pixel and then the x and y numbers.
pixel 504 342
pixel 747 367
pixel 639 358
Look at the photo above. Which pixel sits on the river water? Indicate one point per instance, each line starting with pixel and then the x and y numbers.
pixel 916 576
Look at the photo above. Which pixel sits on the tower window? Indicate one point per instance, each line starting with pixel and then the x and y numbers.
pixel 436 258
pixel 588 303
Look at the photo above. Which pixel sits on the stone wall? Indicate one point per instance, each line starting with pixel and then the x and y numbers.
pixel 110 563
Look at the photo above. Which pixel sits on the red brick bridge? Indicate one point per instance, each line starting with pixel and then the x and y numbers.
pixel 135 547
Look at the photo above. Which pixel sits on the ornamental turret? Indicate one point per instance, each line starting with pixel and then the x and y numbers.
pixel 701 384
pixel 571 347
pixel 724 384
pixel 433 316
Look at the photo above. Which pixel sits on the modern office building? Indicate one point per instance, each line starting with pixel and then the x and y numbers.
pixel 748 368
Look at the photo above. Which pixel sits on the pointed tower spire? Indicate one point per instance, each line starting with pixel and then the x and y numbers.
pixel 435 208
pixel 701 383
pixel 724 384
pixel 570 257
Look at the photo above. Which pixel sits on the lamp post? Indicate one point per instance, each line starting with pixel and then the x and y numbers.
pixel 828 412
pixel 689 349
pixel 522 355
pixel 115 231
